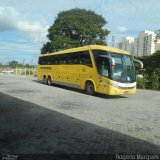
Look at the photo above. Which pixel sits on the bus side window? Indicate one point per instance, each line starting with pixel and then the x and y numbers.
pixel 43 60
pixel 67 59
pixel 74 58
pixel 40 60
pixel 56 59
pixel 85 58
pixel 71 61
pixel 77 58
pixel 49 59
pixel 52 59
pixel 62 61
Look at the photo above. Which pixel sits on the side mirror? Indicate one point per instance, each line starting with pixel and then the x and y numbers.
pixel 141 65
pixel 111 60
pixel 140 62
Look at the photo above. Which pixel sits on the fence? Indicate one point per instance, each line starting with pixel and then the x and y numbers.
pixel 19 71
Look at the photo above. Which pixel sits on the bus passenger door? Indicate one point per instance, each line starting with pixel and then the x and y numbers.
pixel 103 67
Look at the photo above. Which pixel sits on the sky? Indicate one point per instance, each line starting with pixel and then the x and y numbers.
pixel 24 23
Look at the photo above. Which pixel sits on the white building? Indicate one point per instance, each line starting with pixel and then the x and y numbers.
pixel 143 45
pixel 127 44
pixel 157 45
pixel 136 46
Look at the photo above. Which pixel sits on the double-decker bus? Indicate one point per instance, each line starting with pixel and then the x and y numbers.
pixel 92 68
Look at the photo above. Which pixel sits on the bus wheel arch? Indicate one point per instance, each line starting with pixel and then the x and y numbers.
pixel 90 87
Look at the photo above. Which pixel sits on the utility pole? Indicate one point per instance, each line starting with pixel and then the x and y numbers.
pixel 113 41
pixel 107 40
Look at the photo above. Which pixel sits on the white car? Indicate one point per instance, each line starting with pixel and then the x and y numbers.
pixel 8 71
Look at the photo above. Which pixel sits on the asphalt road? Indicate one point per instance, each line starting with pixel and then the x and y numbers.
pixel 35 118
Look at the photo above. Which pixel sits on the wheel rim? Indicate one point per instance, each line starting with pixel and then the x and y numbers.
pixel 49 81
pixel 90 89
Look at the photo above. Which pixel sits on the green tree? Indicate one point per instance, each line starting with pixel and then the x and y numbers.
pixel 155 82
pixel 151 63
pixel 158 34
pixel 157 71
pixel 152 71
pixel 13 64
pixel 75 27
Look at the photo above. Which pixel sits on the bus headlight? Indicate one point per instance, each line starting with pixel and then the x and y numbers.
pixel 123 85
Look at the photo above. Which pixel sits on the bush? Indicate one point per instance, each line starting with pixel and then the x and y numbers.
pixel 155 82
pixel 149 83
pixel 141 83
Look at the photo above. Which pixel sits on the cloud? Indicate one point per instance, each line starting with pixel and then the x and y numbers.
pixel 37 32
pixel 24 26
pixel 12 20
pixel 19 47
pixel 8 17
pixel 122 29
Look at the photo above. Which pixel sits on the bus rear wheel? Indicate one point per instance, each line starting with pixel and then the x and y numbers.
pixel 89 88
pixel 49 81
pixel 45 81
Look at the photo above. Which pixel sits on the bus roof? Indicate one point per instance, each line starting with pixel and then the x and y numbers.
pixel 89 47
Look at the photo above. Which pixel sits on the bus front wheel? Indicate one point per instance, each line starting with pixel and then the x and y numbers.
pixel 89 88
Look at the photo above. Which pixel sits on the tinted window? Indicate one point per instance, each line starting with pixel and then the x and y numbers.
pixel 42 60
pixel 85 58
pixel 97 53
pixel 56 59
pixel 73 58
pixel 49 59
pixel 64 59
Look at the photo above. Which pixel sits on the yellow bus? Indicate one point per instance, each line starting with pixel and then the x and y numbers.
pixel 93 68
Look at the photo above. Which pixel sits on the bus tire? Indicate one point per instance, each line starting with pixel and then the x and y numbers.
pixel 45 80
pixel 49 81
pixel 89 88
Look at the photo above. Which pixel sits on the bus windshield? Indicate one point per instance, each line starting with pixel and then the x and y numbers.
pixel 124 70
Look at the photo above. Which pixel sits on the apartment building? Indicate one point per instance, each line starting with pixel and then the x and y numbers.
pixel 127 44
pixel 157 46
pixel 143 45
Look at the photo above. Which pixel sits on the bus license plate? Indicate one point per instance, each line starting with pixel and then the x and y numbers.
pixel 126 92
